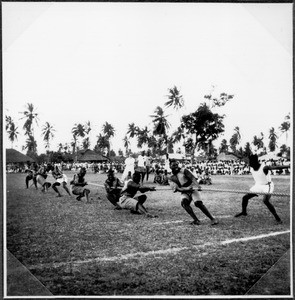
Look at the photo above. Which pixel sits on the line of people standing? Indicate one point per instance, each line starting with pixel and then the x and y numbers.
pixel 141 165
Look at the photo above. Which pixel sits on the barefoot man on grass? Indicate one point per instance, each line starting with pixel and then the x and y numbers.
pixel 113 187
pixel 61 179
pixel 184 182
pixel 128 200
pixel 78 185
pixel 263 184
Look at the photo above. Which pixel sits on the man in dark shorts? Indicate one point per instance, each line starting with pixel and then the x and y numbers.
pixel 32 175
pixel 183 181
pixel 113 187
pixel 78 185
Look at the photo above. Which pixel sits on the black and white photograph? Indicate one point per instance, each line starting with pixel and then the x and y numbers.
pixel 147 149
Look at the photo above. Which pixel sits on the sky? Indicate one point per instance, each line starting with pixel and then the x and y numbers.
pixel 114 62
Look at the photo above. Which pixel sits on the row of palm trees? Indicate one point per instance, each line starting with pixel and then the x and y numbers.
pixel 196 130
pixel 258 141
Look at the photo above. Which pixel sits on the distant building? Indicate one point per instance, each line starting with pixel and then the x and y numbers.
pixel 14 156
pixel 226 157
pixel 90 156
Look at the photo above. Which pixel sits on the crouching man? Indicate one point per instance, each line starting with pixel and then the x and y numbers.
pixel 128 200
pixel 113 187
pixel 78 185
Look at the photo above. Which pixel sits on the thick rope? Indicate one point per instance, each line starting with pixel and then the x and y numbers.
pixel 236 192
pixel 217 190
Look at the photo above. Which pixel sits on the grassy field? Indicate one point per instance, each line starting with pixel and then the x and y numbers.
pixel 75 248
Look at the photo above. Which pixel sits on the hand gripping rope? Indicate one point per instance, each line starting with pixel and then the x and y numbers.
pixel 217 190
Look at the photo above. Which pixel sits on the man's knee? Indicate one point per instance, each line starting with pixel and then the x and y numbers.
pixel 112 198
pixel 266 199
pixel 185 202
pixel 142 199
pixel 199 203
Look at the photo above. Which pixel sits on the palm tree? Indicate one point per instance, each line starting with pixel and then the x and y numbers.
pixel 170 144
pixel 78 131
pixel 87 127
pixel 285 151
pixel 31 145
pixel 223 146
pixel 142 137
pixel 132 130
pixel 108 130
pixel 12 133
pixel 235 139
pixel 247 150
pixel 161 125
pixel 175 99
pixel 8 121
pixel 47 132
pixel 60 147
pixel 74 144
pixel 189 146
pixel 102 143
pixel 217 101
pixel 126 143
pixel 177 135
pixel 66 147
pixel 30 117
pixel 234 142
pixel 285 126
pixel 258 142
pixel 272 139
pixel 153 144
pixel 237 130
pixel 86 143
pixel 160 121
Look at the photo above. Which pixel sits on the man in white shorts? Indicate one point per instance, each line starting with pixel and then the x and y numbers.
pixel 61 179
pixel 263 184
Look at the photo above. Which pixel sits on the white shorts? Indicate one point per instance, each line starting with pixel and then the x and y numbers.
pixel 78 190
pixel 262 188
pixel 64 178
pixel 40 179
pixel 128 203
pixel 192 196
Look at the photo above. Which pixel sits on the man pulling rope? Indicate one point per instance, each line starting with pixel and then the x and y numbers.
pixel 263 184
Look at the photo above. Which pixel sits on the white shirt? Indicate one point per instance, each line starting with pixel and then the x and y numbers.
pixel 141 161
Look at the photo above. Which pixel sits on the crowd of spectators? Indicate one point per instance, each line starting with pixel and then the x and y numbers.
pixel 201 168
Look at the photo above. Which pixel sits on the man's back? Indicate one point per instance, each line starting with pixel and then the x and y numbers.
pixel 130 188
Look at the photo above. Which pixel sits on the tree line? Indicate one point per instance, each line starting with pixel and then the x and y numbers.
pixel 196 131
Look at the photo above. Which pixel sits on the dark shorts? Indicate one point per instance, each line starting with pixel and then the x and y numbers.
pixel 78 190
